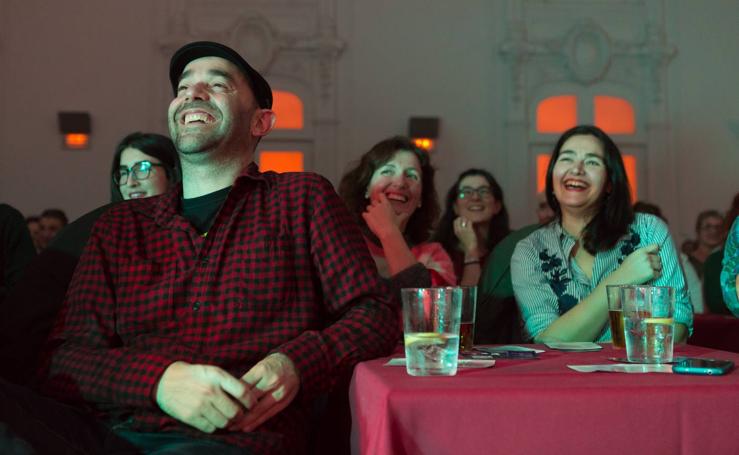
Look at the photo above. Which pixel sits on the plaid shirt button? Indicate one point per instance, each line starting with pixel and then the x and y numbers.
pixel 196 306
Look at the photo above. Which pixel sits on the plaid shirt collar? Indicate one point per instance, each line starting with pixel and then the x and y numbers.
pixel 166 209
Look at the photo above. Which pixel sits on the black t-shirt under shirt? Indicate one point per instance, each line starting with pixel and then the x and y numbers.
pixel 202 210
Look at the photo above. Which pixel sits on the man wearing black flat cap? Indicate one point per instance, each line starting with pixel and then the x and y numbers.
pixel 208 318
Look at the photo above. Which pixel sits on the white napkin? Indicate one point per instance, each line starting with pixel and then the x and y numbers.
pixel 574 346
pixel 510 348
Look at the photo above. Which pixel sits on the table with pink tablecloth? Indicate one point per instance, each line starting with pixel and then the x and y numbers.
pixel 542 407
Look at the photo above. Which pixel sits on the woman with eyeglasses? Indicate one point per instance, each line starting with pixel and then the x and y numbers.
pixel 475 219
pixel 391 191
pixel 144 165
pixel 561 270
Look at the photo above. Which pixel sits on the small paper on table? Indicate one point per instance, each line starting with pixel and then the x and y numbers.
pixel 574 346
pixel 510 348
pixel 623 368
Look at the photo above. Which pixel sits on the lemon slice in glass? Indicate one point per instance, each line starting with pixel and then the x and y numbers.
pixel 666 321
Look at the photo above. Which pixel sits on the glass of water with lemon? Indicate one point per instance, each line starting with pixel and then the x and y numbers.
pixel 648 323
pixel 431 319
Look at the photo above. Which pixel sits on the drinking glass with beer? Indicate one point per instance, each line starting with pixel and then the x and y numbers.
pixel 467 321
pixel 616 315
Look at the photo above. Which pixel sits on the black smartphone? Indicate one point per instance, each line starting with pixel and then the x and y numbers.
pixel 713 367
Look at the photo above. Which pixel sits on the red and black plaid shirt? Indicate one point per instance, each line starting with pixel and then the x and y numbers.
pixel 283 268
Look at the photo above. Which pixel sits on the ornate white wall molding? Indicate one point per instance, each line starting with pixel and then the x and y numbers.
pixel 585 48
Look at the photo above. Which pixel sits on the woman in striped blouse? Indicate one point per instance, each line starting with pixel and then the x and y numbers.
pixel 561 270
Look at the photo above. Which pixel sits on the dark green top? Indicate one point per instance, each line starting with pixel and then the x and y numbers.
pixel 16 248
pixel 712 295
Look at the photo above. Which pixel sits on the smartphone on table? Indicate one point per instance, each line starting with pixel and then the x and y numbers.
pixel 711 367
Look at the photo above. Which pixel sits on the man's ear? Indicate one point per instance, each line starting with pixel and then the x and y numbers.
pixel 262 122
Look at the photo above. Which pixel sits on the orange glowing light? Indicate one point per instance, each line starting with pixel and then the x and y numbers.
pixel 76 140
pixel 556 114
pixel 542 163
pixel 281 161
pixel 614 115
pixel 288 108
pixel 630 165
pixel 424 143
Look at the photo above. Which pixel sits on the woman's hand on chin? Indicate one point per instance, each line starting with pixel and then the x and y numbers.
pixel 465 232
pixel 381 218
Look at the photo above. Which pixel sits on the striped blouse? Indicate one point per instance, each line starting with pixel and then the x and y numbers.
pixel 547 282
pixel 730 269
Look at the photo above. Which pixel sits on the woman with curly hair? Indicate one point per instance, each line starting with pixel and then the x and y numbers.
pixel 391 192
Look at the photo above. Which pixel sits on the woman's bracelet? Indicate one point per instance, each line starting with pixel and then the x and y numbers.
pixel 472 261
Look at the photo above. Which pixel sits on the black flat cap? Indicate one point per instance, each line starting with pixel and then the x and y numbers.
pixel 189 52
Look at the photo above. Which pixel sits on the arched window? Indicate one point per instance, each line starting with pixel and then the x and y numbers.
pixel 556 114
pixel 288 108
pixel 281 161
pixel 613 115
pixel 542 164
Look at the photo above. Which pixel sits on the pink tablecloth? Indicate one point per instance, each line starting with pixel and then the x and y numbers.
pixel 543 407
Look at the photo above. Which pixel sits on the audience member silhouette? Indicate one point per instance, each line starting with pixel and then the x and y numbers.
pixel 712 267
pixel 52 221
pixel 16 248
pixel 34 228
pixel 544 212
pixel 708 231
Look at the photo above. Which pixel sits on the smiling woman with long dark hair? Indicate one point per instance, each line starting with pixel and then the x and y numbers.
pixel 561 270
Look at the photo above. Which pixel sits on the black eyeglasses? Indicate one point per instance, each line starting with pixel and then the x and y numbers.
pixel 482 192
pixel 140 171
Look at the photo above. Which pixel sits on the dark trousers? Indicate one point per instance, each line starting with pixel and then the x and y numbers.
pixel 33 424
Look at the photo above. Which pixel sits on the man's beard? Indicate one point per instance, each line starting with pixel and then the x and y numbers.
pixel 193 144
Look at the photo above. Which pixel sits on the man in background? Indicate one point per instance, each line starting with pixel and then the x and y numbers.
pixel 51 222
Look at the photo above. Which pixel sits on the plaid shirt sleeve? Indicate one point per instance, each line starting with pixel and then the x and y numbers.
pixel 86 360
pixel 367 325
